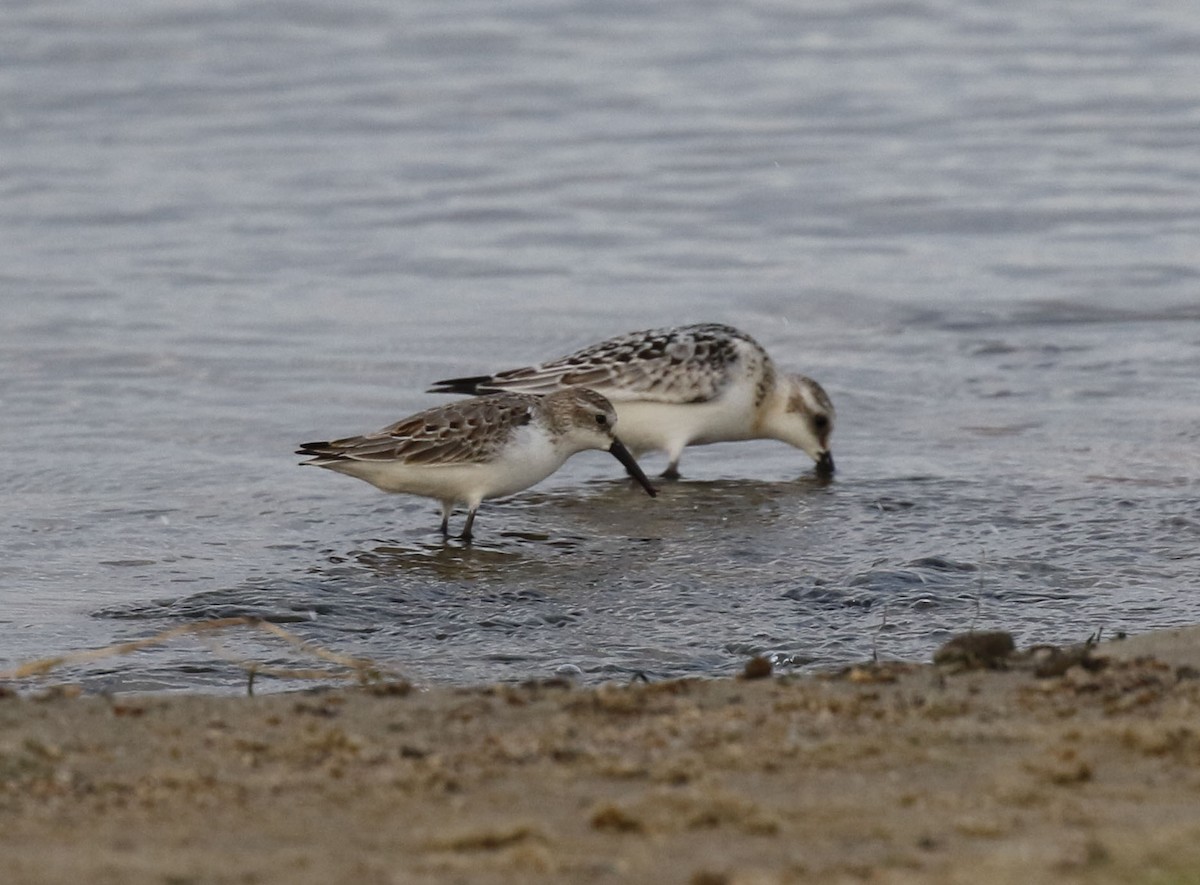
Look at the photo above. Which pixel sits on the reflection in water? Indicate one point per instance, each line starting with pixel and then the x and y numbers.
pixel 448 560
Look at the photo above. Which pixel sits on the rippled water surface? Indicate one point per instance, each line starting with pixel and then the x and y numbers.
pixel 227 227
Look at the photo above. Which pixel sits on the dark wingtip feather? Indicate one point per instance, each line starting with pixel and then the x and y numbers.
pixel 469 386
pixel 314 449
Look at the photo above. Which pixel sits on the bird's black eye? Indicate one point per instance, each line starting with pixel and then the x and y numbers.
pixel 821 422
pixel 601 419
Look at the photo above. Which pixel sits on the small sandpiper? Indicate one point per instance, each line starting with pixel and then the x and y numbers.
pixel 683 386
pixel 469 451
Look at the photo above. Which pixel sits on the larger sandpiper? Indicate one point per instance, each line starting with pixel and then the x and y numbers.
pixel 683 386
pixel 467 452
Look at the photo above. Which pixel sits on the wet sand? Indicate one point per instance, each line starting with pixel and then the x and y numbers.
pixel 1088 772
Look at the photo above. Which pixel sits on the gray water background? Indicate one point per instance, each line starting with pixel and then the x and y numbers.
pixel 227 227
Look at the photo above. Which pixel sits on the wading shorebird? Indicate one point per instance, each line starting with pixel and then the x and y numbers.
pixel 467 452
pixel 683 386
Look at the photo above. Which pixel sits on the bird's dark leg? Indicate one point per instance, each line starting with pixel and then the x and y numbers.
pixel 446 508
pixel 466 535
pixel 672 471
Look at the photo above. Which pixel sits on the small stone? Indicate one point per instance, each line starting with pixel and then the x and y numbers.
pixel 758 667
pixel 974 651
pixel 614 819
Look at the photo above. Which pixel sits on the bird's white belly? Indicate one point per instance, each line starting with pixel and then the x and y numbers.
pixel 649 426
pixel 528 458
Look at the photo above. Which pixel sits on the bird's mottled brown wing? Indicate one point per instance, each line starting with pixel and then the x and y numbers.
pixel 466 432
pixel 679 365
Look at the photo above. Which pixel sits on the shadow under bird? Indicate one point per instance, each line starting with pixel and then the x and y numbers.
pixel 470 451
pixel 683 386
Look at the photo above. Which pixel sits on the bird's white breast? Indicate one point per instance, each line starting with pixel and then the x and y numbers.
pixel 646 426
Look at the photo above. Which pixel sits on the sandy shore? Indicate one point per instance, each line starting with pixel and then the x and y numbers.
pixel 1089 772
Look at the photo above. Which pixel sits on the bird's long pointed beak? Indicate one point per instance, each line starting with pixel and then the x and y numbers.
pixel 825 464
pixel 622 454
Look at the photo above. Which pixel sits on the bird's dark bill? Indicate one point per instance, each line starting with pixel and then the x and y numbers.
pixel 622 454
pixel 825 464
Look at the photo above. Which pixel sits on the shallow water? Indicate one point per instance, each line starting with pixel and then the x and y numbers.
pixel 226 228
